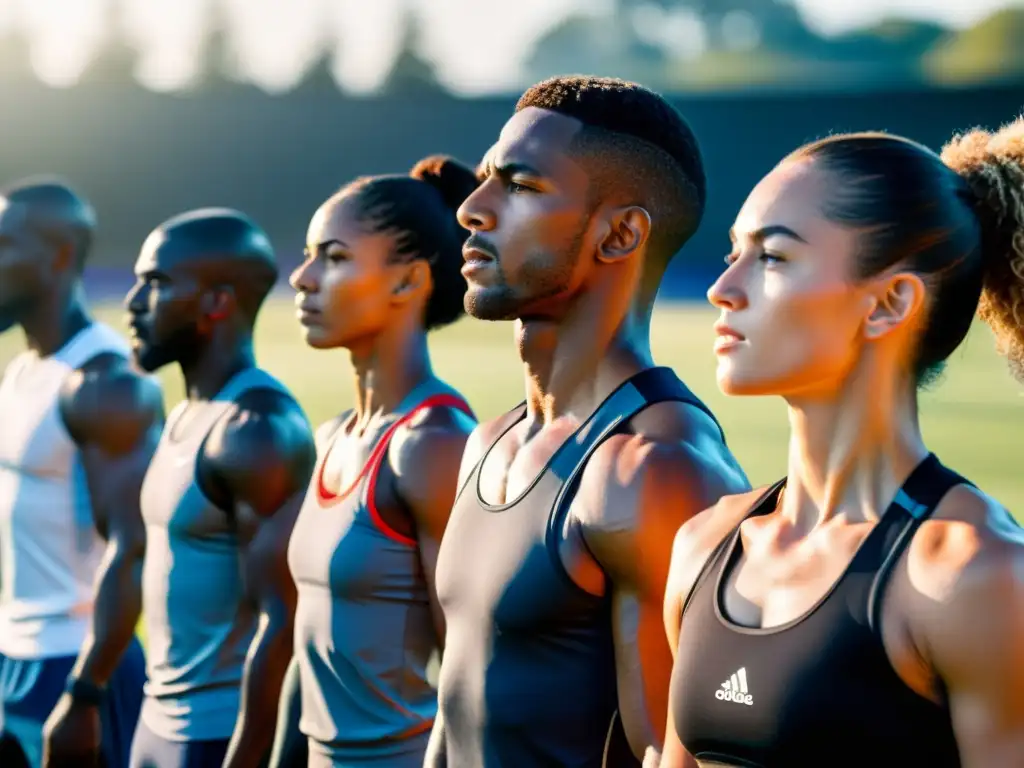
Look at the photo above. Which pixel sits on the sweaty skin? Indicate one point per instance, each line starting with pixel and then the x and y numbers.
pixel 113 415
pixel 201 280
pixel 582 329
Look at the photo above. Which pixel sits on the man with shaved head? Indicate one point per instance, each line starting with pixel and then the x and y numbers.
pixel 219 499
pixel 77 429
pixel 553 566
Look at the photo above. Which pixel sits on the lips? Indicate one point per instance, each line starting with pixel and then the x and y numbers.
pixel 477 249
pixel 726 338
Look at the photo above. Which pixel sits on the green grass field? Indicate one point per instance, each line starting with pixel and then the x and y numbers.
pixel 969 418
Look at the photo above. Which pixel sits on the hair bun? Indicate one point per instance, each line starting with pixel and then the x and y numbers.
pixel 448 176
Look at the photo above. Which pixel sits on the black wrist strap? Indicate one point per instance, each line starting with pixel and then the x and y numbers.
pixel 85 692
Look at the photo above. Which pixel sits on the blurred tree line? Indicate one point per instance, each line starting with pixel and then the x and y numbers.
pixel 675 46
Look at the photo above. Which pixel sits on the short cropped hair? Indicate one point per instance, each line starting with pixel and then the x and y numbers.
pixel 643 147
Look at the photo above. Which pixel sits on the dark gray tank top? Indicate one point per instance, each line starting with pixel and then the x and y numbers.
pixel 528 677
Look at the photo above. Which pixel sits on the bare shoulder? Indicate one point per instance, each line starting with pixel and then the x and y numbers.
pixel 426 455
pixel 965 562
pixel 265 441
pixel 671 466
pixel 109 403
pixel 432 433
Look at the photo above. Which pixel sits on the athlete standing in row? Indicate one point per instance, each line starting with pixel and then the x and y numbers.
pixel 219 499
pixel 869 608
pixel 382 269
pixel 77 429
pixel 552 570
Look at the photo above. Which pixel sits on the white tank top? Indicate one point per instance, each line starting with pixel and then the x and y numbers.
pixel 49 547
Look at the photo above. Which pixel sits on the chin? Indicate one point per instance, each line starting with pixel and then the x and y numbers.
pixel 734 381
pixel 490 304
pixel 146 361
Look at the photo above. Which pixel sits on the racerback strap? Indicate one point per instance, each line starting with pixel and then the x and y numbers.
pixel 914 503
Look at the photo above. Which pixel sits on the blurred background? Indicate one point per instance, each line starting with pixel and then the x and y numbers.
pixel 151 107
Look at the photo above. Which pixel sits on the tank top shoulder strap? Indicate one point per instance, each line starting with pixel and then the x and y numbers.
pixel 248 379
pixel 371 469
pixel 765 503
pixel 914 503
pixel 649 387
pixel 92 341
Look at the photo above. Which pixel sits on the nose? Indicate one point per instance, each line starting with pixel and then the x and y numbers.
pixel 304 279
pixel 474 214
pixel 727 292
pixel 133 301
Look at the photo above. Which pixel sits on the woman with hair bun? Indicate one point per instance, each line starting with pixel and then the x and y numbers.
pixel 868 609
pixel 382 269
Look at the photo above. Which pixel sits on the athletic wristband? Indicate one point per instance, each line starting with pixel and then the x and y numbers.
pixel 85 692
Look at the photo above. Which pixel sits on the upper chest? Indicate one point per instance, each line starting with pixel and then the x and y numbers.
pixel 338 544
pixel 173 497
pixel 522 561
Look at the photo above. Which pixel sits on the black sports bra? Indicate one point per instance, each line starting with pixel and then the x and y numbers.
pixel 818 691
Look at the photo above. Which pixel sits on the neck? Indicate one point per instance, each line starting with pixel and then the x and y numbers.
pixel 850 452
pixel 215 365
pixel 55 320
pixel 572 364
pixel 387 369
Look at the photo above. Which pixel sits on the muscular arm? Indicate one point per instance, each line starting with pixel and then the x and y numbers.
pixel 974 639
pixel 634 496
pixel 262 458
pixel 425 459
pixel 115 416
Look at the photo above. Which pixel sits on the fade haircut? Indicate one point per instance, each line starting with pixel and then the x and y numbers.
pixel 638 148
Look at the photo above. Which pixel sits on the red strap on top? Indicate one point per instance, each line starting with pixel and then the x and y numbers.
pixel 376 459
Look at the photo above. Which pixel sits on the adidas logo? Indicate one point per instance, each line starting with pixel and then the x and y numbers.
pixel 735 689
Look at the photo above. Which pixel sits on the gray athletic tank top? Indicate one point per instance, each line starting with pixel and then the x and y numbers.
pixel 363 628
pixel 528 678
pixel 198 629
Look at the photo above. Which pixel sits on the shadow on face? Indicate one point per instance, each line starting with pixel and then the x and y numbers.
pixel 164 307
pixel 26 265
pixel 346 283
pixel 528 220
pixel 792 313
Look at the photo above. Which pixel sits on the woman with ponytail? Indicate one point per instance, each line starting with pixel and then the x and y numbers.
pixel 382 269
pixel 867 609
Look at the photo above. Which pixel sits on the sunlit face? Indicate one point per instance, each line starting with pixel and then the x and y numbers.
pixel 528 220
pixel 346 286
pixel 164 307
pixel 792 314
pixel 24 265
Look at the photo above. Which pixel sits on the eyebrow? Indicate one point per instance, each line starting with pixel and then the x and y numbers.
pixel 511 169
pixel 765 232
pixel 322 245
